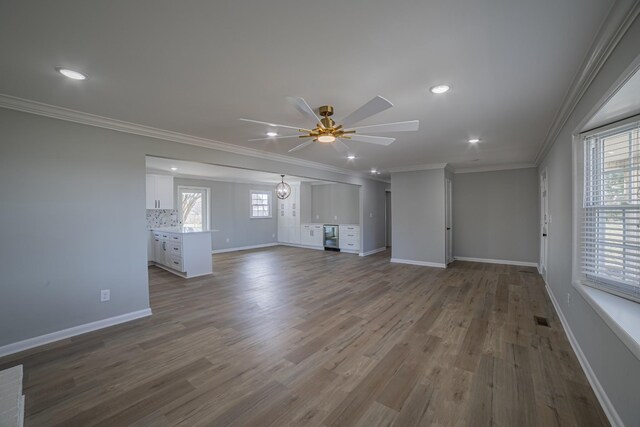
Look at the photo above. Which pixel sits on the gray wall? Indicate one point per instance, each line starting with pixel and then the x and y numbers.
pixel 417 203
pixel 617 369
pixel 73 219
pixel 495 215
pixel 335 203
pixel 229 208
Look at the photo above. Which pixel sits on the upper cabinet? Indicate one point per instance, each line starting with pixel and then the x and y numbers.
pixel 159 191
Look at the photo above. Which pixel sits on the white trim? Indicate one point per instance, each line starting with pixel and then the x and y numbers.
pixel 620 17
pixel 293 245
pixel 495 168
pixel 412 168
pixel 375 251
pixel 497 261
pixel 72 332
pixel 607 406
pixel 621 315
pixel 61 113
pixel 422 263
pixel 244 248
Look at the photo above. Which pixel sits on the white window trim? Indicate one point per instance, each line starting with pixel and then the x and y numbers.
pixel 620 314
pixel 206 206
pixel 251 193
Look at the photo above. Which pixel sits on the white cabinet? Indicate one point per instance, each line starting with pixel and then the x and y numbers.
pixel 349 238
pixel 159 191
pixel 288 213
pixel 311 235
pixel 184 254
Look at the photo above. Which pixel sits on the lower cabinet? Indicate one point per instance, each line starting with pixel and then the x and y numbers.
pixel 349 238
pixel 184 254
pixel 311 235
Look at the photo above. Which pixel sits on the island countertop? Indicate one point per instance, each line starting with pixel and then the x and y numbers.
pixel 180 230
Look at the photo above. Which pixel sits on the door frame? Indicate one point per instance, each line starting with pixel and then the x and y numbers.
pixel 544 223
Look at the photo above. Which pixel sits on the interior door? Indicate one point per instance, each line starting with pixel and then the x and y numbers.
pixel 448 221
pixel 387 218
pixel 544 222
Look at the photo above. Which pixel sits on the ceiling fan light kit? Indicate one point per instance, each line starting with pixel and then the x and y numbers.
pixel 326 131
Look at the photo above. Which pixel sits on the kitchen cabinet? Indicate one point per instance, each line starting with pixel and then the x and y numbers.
pixel 288 213
pixel 186 254
pixel 311 235
pixel 159 191
pixel 349 238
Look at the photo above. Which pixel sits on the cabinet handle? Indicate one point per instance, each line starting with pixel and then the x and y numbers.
pixel 164 246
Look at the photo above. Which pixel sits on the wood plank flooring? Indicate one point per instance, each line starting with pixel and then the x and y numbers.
pixel 287 336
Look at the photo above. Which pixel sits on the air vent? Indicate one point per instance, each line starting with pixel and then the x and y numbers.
pixel 541 321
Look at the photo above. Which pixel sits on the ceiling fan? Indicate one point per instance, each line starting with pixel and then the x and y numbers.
pixel 327 131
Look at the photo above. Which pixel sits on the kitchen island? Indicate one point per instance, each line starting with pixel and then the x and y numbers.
pixel 183 251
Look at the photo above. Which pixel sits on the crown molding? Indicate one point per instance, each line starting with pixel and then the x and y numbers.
pixel 66 114
pixel 619 19
pixel 413 168
pixel 495 168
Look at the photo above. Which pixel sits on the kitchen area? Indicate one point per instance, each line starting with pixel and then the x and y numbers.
pixel 196 210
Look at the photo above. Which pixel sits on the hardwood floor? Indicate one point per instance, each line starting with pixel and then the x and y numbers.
pixel 287 336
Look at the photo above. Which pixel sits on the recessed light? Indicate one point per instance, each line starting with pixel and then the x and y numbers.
pixel 351 157
pixel 440 89
pixel 374 171
pixel 75 75
pixel 173 168
pixel 272 133
pixel 474 140
pixel 377 173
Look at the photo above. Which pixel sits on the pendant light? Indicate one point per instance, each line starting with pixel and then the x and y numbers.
pixel 283 190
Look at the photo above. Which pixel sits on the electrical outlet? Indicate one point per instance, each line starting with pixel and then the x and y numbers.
pixel 370 214
pixel 273 236
pixel 335 217
pixel 105 295
pixel 228 240
pixel 317 216
pixel 568 298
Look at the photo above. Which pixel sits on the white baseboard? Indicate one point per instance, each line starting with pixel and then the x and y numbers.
pixel 293 245
pixel 422 263
pixel 375 251
pixel 71 332
pixel 244 248
pixel 496 261
pixel 607 406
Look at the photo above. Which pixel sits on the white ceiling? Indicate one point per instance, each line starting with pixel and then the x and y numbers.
pixel 624 103
pixel 214 172
pixel 196 69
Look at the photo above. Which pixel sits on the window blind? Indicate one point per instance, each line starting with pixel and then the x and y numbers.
pixel 611 211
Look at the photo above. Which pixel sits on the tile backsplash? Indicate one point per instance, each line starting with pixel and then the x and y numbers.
pixel 162 218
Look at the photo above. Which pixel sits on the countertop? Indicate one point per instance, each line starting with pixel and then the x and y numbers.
pixel 180 230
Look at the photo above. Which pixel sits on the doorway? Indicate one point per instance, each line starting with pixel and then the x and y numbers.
pixel 387 218
pixel 544 222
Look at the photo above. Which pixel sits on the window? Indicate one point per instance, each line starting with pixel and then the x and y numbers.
pixel 260 204
pixel 194 204
pixel 610 224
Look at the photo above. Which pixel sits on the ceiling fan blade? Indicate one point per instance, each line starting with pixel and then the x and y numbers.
pixel 275 125
pixel 340 146
pixel 379 140
pixel 269 138
pixel 375 106
pixel 302 106
pixel 390 127
pixel 301 146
